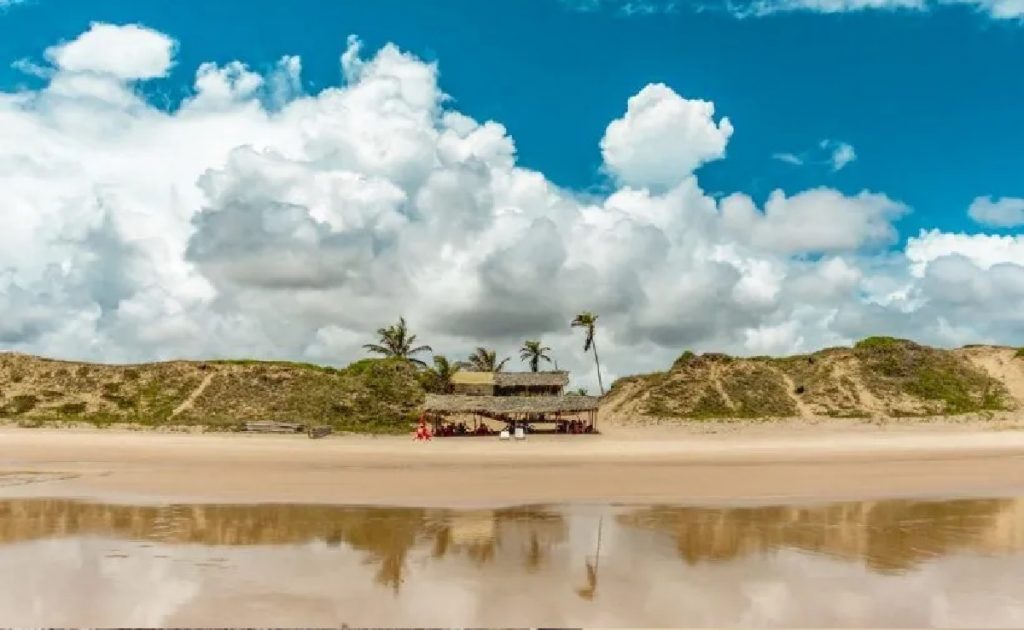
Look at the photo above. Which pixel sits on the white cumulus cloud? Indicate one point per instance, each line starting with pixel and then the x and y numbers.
pixel 842 154
pixel 819 220
pixel 662 138
pixel 126 52
pixel 255 219
pixel 1005 212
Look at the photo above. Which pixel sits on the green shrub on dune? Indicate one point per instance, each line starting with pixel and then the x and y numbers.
pixel 372 396
pixel 942 381
pixel 877 376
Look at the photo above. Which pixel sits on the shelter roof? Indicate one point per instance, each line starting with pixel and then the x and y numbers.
pixel 510 404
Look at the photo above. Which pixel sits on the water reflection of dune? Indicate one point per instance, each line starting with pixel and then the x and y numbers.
pixel 888 536
pixel 386 535
pixel 206 524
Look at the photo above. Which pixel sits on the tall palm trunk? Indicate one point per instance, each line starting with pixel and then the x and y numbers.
pixel 593 346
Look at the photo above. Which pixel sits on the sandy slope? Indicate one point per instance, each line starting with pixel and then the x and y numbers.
pixel 1001 364
pixel 771 464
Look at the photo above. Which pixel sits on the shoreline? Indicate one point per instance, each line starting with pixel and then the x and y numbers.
pixel 629 466
pixel 614 425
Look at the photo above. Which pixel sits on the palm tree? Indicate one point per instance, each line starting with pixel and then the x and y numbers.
pixel 484 360
pixel 588 322
pixel 442 372
pixel 587 592
pixel 396 342
pixel 533 352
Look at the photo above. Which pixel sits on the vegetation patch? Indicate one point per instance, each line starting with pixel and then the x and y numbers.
pixel 878 376
pixel 374 395
pixel 370 396
pixel 756 390
pixel 21 404
pixel 712 386
pixel 72 408
pixel 942 381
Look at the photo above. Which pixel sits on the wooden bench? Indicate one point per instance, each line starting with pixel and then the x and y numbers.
pixel 267 426
pixel 315 433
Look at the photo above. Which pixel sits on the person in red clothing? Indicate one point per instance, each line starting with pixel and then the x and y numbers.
pixel 422 432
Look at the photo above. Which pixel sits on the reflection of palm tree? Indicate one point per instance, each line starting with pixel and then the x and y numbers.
pixel 534 554
pixel 482 553
pixel 587 592
pixel 442 540
pixel 386 535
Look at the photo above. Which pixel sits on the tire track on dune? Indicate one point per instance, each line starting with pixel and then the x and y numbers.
pixel 716 382
pixel 802 409
pixel 864 398
pixel 194 396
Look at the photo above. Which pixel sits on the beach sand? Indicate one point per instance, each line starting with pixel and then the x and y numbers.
pixel 731 464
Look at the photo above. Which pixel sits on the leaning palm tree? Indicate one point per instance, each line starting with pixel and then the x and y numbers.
pixel 484 360
pixel 442 372
pixel 588 322
pixel 533 352
pixel 587 592
pixel 396 342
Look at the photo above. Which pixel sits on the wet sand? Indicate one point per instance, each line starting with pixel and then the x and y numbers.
pixel 648 466
pixel 862 564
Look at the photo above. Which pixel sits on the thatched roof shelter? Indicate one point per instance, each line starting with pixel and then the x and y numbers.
pixel 511 379
pixel 531 379
pixel 436 403
pixel 471 383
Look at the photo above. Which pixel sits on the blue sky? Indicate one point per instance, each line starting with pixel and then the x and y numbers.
pixel 751 176
pixel 931 101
